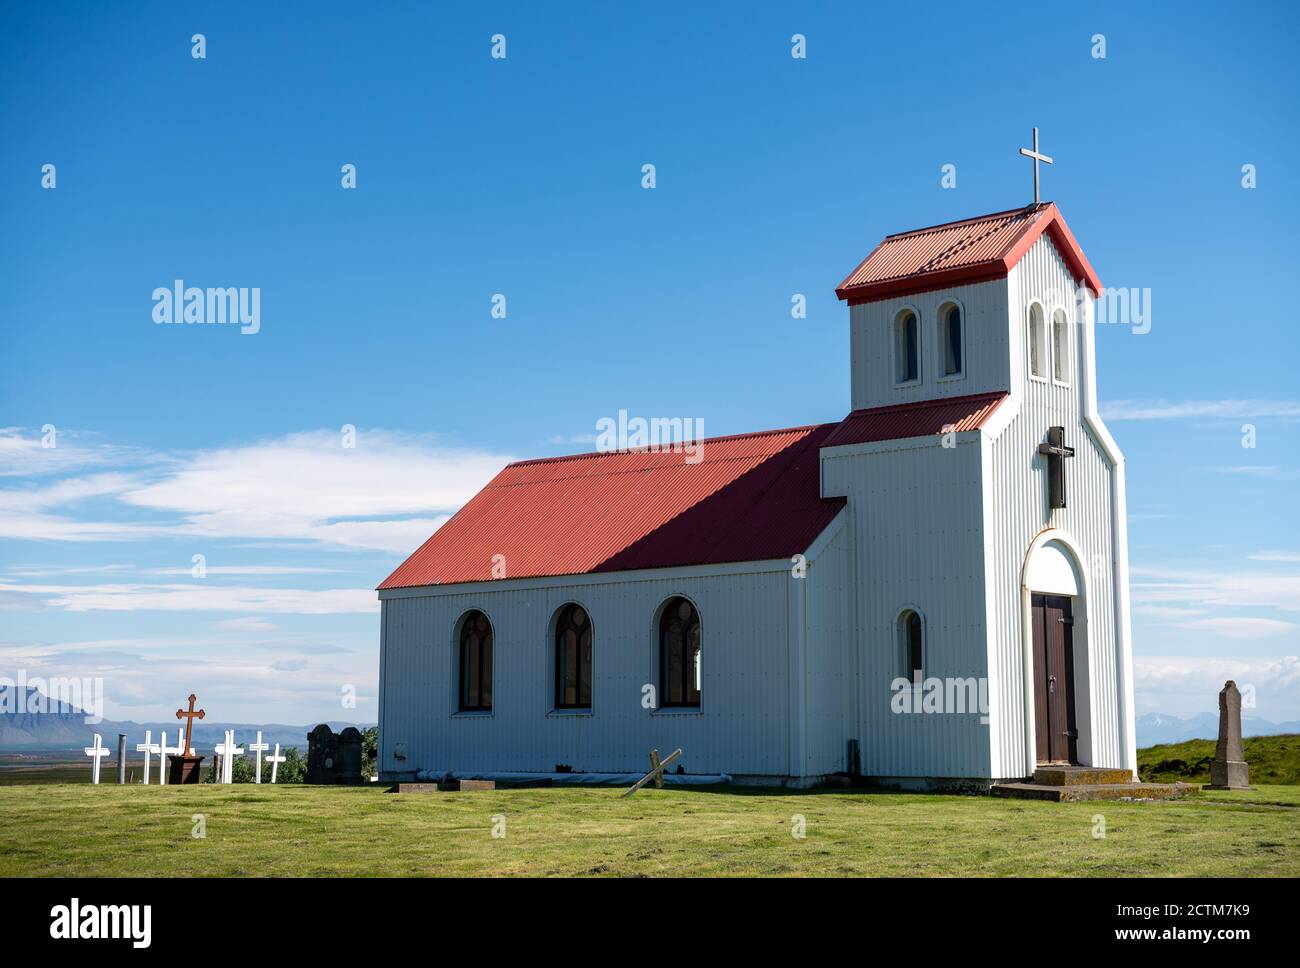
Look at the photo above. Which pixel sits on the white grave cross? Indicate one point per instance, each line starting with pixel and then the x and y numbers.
pixel 98 751
pixel 228 751
pixel 163 752
pixel 147 748
pixel 275 761
pixel 259 747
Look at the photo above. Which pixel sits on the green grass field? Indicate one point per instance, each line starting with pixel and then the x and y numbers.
pixel 1272 759
pixel 84 830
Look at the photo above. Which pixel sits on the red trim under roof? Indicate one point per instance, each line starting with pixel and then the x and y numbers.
pixel 752 497
pixel 922 419
pixel 959 253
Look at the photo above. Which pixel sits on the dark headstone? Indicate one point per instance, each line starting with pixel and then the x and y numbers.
pixel 185 769
pixel 349 762
pixel 121 757
pixel 333 757
pixel 1228 771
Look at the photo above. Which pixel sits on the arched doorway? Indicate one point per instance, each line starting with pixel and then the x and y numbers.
pixel 1056 653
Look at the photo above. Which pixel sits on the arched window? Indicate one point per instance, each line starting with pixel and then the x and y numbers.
pixel 572 658
pixel 1060 347
pixel 907 348
pixel 1037 342
pixel 950 338
pixel 911 636
pixel 475 662
pixel 679 654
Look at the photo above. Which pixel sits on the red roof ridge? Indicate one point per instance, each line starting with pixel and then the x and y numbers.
pixel 1023 210
pixel 923 418
pixel 933 402
pixel 669 448
pixel 962 252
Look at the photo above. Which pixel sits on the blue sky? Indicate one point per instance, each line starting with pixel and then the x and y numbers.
pixel 522 176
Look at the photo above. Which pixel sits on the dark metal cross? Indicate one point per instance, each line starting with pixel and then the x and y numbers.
pixel 1037 158
pixel 1056 452
pixel 189 718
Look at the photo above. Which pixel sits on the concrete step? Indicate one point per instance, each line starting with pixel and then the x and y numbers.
pixel 1092 791
pixel 1080 775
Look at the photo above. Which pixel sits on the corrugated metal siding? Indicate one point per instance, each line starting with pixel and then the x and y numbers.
pixel 1020 512
pixel 917 541
pixel 831 667
pixel 744 725
pixel 987 351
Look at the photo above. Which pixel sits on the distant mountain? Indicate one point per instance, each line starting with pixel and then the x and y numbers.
pixel 64 728
pixel 1155 728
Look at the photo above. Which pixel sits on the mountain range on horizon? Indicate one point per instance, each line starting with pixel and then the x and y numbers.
pixel 65 728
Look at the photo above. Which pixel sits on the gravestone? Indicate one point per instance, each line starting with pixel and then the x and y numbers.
pixel 333 757
pixel 1228 771
pixel 186 767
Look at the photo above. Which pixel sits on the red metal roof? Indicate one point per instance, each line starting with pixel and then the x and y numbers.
pixel 956 253
pixel 752 497
pixel 915 419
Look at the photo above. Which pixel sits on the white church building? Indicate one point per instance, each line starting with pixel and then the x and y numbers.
pixel 932 591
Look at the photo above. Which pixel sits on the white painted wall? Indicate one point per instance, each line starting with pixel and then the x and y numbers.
pixel 744 725
pixel 917 538
pixel 1016 482
pixel 871 340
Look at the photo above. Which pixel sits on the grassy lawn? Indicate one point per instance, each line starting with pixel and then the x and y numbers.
pixel 82 830
pixel 1272 759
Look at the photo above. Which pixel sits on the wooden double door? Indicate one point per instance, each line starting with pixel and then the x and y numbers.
pixel 1055 727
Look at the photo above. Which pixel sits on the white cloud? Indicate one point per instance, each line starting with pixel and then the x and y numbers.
pixel 1283 556
pixel 307 486
pixel 1194 409
pixel 1241 627
pixel 1229 588
pixel 247 623
pixel 388 493
pixel 37 526
pixel 245 570
pixel 1184 685
pixel 199 597
pixel 22 453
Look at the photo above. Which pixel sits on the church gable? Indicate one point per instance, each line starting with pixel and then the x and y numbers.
pixel 963 252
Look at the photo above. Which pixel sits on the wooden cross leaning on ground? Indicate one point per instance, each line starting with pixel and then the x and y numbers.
pixel 656 771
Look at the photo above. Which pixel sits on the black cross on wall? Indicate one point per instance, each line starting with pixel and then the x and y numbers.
pixel 1056 452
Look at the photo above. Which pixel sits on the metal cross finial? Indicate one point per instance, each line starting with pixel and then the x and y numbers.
pixel 1037 158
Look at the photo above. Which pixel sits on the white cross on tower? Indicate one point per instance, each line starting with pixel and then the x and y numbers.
pixel 228 751
pixel 147 748
pixel 275 761
pixel 259 747
pixel 1037 158
pixel 98 751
